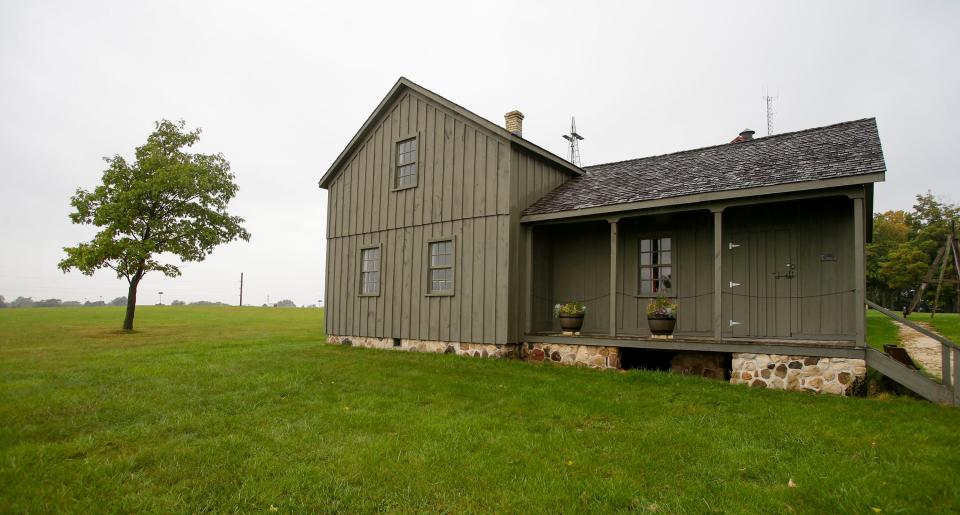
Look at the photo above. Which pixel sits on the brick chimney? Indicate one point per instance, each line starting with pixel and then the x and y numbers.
pixel 514 122
pixel 745 135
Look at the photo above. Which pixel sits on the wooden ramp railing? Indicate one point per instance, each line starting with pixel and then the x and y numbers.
pixel 945 392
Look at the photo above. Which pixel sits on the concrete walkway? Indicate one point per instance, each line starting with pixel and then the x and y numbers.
pixel 923 349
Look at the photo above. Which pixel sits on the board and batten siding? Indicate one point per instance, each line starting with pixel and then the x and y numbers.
pixel 531 178
pixel 466 190
pixel 815 236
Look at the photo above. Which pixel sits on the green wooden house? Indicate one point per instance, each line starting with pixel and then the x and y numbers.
pixel 449 233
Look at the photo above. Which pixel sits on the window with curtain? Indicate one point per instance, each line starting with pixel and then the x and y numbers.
pixel 656 266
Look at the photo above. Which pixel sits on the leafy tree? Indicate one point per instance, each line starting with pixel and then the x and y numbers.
pixel 904 245
pixel 177 303
pixel 47 303
pixel 96 303
pixel 285 303
pixel 167 201
pixel 3 302
pixel 119 301
pixel 22 302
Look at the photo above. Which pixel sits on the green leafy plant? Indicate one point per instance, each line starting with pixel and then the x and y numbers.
pixel 569 309
pixel 662 307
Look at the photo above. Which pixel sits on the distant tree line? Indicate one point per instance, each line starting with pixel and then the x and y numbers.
pixel 28 302
pixel 904 245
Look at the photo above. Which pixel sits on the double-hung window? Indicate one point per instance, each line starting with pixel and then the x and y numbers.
pixel 406 170
pixel 440 270
pixel 370 271
pixel 656 266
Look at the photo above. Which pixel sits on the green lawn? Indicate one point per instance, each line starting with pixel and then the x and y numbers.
pixel 881 330
pixel 947 324
pixel 245 409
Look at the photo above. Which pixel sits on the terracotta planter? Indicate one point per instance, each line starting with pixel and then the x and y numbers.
pixel 571 323
pixel 661 326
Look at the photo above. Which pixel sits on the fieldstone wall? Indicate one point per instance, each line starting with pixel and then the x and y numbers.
pixel 479 350
pixel 583 355
pixel 802 373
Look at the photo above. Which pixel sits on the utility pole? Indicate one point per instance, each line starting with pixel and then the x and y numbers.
pixel 241 289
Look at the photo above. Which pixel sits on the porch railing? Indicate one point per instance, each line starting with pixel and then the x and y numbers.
pixel 949 352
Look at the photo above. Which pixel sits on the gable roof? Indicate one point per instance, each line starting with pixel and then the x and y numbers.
pixel 404 84
pixel 817 158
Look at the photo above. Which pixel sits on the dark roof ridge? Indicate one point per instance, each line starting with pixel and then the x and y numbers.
pixel 762 138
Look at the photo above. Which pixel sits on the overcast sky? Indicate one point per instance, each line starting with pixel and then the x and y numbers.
pixel 279 88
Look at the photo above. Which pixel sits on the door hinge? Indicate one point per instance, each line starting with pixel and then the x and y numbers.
pixel 731 246
pixel 733 323
pixel 733 284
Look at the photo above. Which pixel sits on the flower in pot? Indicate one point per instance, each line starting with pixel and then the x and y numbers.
pixel 570 315
pixel 662 315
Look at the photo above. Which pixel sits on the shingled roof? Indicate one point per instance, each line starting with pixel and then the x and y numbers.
pixel 837 151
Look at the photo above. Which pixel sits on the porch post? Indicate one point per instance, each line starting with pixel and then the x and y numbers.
pixel 613 276
pixel 859 271
pixel 528 281
pixel 717 273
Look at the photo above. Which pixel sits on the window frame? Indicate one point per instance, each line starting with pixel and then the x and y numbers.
pixel 395 157
pixel 669 292
pixel 452 267
pixel 379 248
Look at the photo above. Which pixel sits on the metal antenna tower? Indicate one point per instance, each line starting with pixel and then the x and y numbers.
pixel 573 138
pixel 769 100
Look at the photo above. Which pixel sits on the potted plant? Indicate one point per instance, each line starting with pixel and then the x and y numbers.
pixel 662 316
pixel 570 315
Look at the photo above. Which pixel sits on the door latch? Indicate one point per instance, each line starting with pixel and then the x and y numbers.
pixel 731 246
pixel 733 284
pixel 789 274
pixel 733 323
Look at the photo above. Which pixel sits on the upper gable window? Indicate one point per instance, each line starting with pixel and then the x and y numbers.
pixel 406 170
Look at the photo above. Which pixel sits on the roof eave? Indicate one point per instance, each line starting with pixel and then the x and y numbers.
pixel 714 196
pixel 404 83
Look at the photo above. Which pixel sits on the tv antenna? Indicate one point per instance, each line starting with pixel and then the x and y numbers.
pixel 573 138
pixel 769 100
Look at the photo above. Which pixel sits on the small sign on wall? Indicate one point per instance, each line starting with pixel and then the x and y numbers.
pixel 828 257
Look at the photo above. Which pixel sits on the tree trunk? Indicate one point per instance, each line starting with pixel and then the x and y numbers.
pixel 131 303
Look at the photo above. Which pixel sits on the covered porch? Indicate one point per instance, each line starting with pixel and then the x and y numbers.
pixel 777 274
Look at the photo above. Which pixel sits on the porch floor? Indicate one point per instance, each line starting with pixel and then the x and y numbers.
pixel 824 348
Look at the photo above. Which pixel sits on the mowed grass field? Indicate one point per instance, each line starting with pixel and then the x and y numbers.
pixel 881 329
pixel 248 410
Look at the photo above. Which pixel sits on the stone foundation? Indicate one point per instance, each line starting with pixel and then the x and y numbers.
pixel 712 365
pixel 583 355
pixel 801 373
pixel 479 350
pixel 839 376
